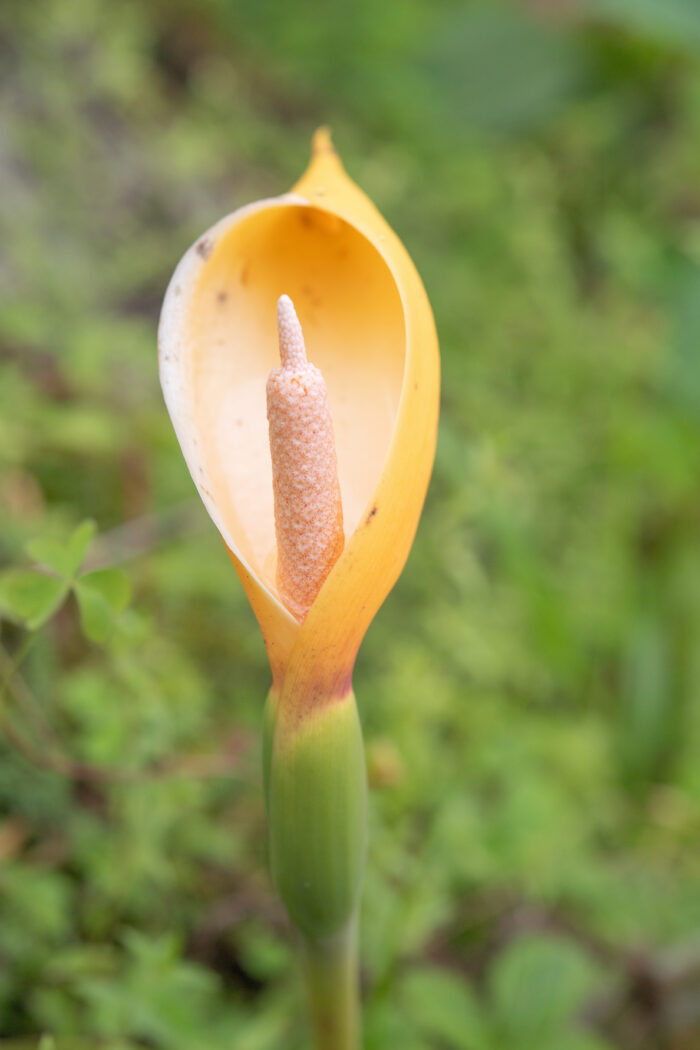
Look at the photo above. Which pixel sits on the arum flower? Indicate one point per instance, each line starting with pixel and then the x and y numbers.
pixel 361 311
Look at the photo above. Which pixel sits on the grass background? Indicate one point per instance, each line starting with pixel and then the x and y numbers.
pixel 530 692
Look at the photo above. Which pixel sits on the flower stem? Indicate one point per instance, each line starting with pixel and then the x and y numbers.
pixel 331 975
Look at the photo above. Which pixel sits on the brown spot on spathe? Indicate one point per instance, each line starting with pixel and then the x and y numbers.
pixel 371 514
pixel 204 248
pixel 221 297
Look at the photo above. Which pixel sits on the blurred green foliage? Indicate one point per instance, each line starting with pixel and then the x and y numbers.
pixel 531 690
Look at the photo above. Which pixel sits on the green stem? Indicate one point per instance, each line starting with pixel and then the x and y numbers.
pixel 331 974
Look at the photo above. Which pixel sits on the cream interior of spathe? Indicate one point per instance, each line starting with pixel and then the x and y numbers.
pixel 353 324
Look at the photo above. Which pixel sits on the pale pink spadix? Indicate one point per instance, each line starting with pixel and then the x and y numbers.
pixel 308 508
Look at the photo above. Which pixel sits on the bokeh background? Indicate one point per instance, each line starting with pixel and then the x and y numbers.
pixel 530 692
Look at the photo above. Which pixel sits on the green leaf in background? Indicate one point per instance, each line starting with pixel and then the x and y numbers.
pixel 65 558
pixel 161 998
pixel 675 22
pixel 101 597
pixel 79 543
pixel 263 955
pixel 537 985
pixel 645 703
pixel 504 71
pixel 31 596
pixel 384 1025
pixel 443 1008
pixel 585 1041
pixel 685 344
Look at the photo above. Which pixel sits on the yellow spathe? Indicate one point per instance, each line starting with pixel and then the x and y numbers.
pixel 369 328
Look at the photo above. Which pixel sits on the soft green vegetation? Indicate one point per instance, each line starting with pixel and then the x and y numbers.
pixel 530 693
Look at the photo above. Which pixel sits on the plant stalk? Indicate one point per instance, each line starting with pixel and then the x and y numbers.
pixel 332 984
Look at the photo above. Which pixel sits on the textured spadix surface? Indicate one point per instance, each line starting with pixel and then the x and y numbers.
pixel 308 505
pixel 368 327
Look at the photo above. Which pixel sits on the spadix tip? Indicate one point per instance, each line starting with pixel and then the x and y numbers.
pixel 291 338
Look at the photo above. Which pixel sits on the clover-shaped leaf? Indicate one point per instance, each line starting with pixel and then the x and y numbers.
pixel 31 597
pixel 63 557
pixel 101 597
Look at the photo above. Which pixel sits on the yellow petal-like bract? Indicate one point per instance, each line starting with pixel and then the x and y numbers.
pixel 369 328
